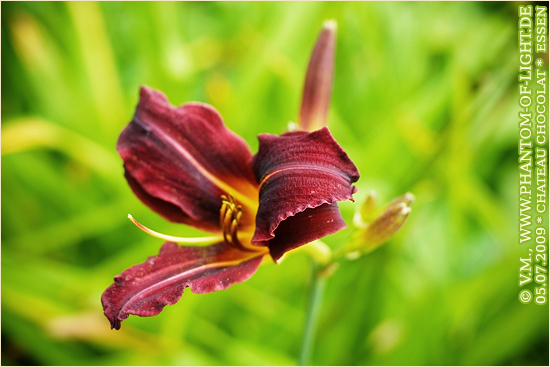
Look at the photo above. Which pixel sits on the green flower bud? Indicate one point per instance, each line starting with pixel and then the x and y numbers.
pixel 372 235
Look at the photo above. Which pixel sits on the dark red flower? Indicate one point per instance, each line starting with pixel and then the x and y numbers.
pixel 187 166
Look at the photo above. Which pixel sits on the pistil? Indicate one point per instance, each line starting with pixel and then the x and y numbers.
pixel 209 239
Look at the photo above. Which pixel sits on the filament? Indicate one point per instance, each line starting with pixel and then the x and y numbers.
pixel 230 215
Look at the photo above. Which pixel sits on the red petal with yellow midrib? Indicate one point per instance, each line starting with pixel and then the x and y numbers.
pixel 186 157
pixel 145 289
pixel 299 172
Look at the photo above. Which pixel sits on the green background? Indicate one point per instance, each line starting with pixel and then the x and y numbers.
pixel 424 100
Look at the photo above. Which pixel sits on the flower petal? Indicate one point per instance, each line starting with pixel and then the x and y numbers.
pixel 186 157
pixel 146 288
pixel 304 227
pixel 318 84
pixel 297 171
pixel 168 210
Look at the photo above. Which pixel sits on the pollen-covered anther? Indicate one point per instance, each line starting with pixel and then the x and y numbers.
pixel 230 215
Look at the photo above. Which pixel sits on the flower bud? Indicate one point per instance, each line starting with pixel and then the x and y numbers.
pixel 372 235
pixel 385 226
pixel 318 83
pixel 367 210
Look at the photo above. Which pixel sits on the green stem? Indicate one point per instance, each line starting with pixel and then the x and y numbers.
pixel 316 290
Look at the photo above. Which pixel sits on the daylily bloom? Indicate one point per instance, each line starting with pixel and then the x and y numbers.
pixel 186 165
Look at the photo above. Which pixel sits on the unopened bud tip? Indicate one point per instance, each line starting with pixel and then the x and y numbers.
pixel 330 24
pixel 405 210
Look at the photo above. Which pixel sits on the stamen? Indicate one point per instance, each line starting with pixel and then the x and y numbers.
pixel 227 218
pixel 173 238
pixel 230 215
pixel 223 210
pixel 239 213
pixel 233 229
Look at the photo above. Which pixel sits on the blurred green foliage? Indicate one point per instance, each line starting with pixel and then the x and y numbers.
pixel 424 100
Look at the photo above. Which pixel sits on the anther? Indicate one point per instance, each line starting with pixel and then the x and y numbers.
pixel 230 215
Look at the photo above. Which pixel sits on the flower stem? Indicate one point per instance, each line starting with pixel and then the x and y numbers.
pixel 316 290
